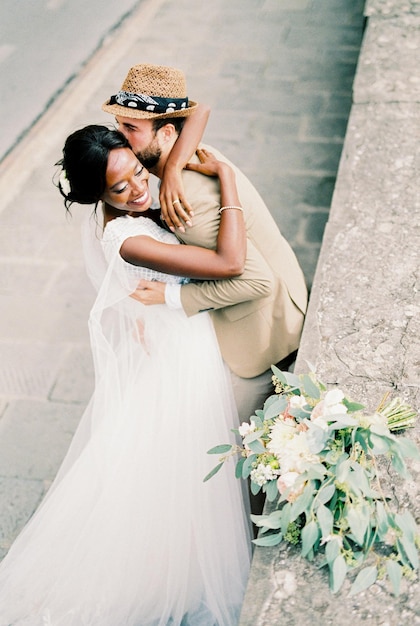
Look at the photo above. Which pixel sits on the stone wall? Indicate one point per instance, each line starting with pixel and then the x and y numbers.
pixel 362 330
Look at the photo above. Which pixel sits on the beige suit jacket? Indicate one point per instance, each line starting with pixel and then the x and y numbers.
pixel 258 317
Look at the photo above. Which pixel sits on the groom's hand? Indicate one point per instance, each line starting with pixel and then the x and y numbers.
pixel 149 292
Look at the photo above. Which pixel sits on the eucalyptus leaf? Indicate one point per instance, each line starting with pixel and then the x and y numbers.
pixel 325 493
pixel 310 388
pixel 310 534
pixel 407 448
pixel 285 518
pixel 407 523
pixel 275 408
pixel 332 549
pixel 399 465
pixel 255 434
pixel 221 449
pixel 382 520
pixel 362 479
pixel 401 552
pixel 213 472
pixel 271 490
pixel 269 540
pixel 255 488
pixel 239 466
pixel 316 438
pixel 343 470
pixel 394 571
pixel 325 519
pixel 316 471
pixel 379 444
pixel 292 379
pixel 311 555
pixel 358 518
pixel 365 578
pixel 410 550
pixel 259 520
pixel 256 446
pixel 352 406
pixel 311 367
pixel 361 437
pixel 303 502
pixel 371 537
pixel 382 430
pixel 353 483
pixel 272 521
pixel 279 374
pixel 299 413
pixel 338 571
pixel 247 466
pixel 342 421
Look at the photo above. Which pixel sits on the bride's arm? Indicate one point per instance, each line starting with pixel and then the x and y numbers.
pixel 172 188
pixel 226 261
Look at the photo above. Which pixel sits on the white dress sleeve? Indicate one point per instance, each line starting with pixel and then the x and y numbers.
pixel 121 228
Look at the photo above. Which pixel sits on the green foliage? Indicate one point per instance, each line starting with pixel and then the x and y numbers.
pixel 314 453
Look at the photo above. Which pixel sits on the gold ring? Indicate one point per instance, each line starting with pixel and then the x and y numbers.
pixel 175 201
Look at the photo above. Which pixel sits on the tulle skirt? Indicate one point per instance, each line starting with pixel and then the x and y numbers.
pixel 129 534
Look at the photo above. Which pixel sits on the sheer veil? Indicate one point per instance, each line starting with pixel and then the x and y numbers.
pixel 128 533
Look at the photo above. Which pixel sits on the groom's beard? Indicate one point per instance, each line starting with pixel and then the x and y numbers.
pixel 150 156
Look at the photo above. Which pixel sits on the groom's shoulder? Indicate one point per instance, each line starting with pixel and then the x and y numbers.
pixel 217 153
pixel 242 180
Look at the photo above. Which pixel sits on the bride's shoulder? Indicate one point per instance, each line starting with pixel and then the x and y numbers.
pixel 127 226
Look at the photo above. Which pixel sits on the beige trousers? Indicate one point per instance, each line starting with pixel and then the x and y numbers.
pixel 251 393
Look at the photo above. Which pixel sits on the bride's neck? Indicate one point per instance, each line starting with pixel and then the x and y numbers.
pixel 110 212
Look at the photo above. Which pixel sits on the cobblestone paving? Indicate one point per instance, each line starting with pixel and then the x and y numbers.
pixel 278 75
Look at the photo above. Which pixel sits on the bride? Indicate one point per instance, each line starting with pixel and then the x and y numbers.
pixel 129 534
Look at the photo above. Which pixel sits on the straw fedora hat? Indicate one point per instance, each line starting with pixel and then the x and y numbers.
pixel 150 92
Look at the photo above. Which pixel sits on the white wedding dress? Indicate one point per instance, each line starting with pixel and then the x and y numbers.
pixel 129 534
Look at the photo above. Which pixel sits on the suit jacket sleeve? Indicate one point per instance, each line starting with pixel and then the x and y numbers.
pixel 256 282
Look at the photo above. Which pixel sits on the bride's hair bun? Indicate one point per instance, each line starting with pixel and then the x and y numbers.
pixel 85 158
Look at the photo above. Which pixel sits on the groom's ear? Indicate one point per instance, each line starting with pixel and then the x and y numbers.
pixel 167 133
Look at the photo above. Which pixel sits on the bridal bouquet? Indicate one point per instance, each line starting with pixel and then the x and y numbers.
pixel 316 456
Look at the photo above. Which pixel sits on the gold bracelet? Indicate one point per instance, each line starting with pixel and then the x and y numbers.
pixel 239 208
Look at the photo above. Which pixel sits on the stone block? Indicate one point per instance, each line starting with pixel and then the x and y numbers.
pixel 28 368
pixel 391 8
pixel 18 500
pixel 34 437
pixel 378 176
pixel 75 378
pixel 388 65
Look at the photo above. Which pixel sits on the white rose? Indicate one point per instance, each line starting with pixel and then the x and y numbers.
pixel 297 402
pixel 333 404
pixel 245 428
pixel 280 434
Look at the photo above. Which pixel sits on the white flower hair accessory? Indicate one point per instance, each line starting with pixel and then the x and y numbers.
pixel 64 183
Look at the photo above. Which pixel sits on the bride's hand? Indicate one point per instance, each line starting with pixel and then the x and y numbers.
pixel 175 210
pixel 209 165
pixel 149 292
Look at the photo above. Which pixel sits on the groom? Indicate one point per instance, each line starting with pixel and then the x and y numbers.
pixel 254 331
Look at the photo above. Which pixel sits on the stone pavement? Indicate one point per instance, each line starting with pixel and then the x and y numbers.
pixel 278 75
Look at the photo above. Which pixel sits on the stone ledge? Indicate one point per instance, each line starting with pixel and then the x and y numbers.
pixel 363 325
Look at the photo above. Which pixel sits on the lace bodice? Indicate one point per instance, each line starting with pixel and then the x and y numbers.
pixel 120 228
